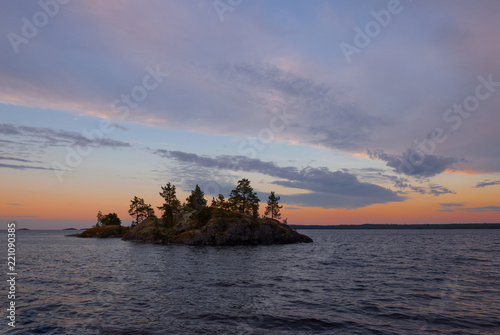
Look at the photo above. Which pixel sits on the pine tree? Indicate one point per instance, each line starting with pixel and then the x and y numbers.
pixel 196 200
pixel 111 219
pixel 219 202
pixel 100 216
pixel 149 211
pixel 273 206
pixel 171 205
pixel 243 199
pixel 168 194
pixel 138 209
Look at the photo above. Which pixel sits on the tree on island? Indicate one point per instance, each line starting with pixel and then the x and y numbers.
pixel 111 219
pixel 168 194
pixel 149 211
pixel 100 216
pixel 219 202
pixel 273 206
pixel 196 200
pixel 107 220
pixel 140 210
pixel 243 199
pixel 167 213
pixel 171 205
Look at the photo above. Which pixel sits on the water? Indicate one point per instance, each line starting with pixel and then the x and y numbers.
pixel 347 282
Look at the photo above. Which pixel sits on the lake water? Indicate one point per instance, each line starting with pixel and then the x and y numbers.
pixel 346 282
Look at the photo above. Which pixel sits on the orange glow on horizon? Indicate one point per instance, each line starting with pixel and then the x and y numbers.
pixel 81 199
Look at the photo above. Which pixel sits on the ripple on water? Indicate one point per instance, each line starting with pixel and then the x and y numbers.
pixel 356 282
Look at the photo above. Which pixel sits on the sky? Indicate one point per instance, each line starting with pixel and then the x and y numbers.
pixel 352 112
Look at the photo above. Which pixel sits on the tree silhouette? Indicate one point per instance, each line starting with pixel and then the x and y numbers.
pixel 149 211
pixel 100 216
pixel 111 219
pixel 273 206
pixel 196 200
pixel 219 202
pixel 171 205
pixel 168 194
pixel 139 210
pixel 243 199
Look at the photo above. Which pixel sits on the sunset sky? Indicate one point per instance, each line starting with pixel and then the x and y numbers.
pixel 352 111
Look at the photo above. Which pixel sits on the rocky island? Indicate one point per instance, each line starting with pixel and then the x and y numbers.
pixel 104 231
pixel 232 222
pixel 211 227
pixel 215 227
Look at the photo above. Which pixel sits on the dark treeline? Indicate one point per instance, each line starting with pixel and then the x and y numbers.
pixel 405 226
pixel 242 199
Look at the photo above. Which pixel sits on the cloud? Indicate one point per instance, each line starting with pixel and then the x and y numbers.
pixel 418 189
pixel 452 204
pixel 24 167
pixel 451 207
pixel 8 129
pixel 52 137
pixel 327 189
pixel 14 204
pixel 437 190
pixel 487 183
pixel 338 200
pixel 230 87
pixel 323 114
pixel 17 159
pixel 483 209
pixel 117 126
pixel 186 175
pixel 33 142
pixel 431 188
pixel 415 163
pixel 225 74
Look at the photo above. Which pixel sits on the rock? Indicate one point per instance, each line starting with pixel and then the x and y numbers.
pixel 103 232
pixel 212 226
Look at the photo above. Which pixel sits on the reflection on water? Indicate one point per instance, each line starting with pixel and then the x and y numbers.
pixel 348 281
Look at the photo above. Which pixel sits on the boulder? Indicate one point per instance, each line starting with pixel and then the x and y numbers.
pixel 104 232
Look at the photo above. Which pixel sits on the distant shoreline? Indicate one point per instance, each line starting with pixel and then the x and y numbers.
pixel 404 226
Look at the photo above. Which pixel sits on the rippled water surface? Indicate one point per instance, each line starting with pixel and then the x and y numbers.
pixel 346 282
